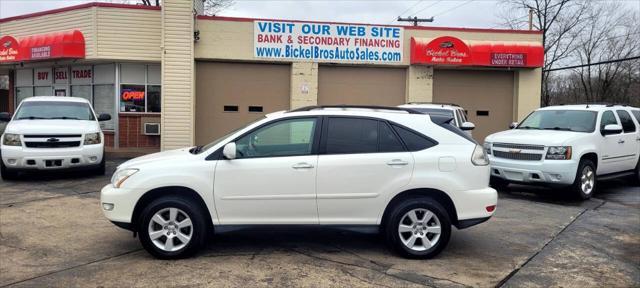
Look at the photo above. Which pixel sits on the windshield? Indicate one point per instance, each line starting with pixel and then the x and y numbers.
pixel 54 110
pixel 436 112
pixel 566 120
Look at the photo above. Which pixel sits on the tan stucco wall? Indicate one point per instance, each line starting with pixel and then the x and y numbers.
pixel 178 101
pixel 528 91
pixel 304 84
pixel 419 84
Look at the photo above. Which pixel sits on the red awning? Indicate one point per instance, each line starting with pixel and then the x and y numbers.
pixel 58 45
pixel 453 51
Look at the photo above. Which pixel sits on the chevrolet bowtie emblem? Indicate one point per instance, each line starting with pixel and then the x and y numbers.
pixel 53 140
pixel 515 151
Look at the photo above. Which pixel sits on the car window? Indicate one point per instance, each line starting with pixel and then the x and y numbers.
pixel 463 115
pixel 351 135
pixel 607 119
pixel 459 118
pixel 636 113
pixel 54 110
pixel 436 112
pixel 291 137
pixel 414 141
pixel 627 123
pixel 387 140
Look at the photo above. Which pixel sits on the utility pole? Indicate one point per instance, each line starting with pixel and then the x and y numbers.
pixel 530 18
pixel 415 20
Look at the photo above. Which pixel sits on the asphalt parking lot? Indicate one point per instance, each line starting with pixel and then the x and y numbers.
pixel 52 233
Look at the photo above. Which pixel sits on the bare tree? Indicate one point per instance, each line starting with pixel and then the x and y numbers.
pixel 559 21
pixel 611 32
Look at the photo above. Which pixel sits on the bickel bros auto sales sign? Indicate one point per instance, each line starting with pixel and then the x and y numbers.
pixel 327 42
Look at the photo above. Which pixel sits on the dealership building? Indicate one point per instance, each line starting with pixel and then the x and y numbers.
pixel 171 77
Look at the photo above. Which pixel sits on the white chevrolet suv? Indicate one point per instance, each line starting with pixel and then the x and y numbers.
pixel 444 109
pixel 573 145
pixel 51 133
pixel 375 167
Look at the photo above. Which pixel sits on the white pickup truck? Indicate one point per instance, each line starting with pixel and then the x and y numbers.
pixel 51 133
pixel 572 145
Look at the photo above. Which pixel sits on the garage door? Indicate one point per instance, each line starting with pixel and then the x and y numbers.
pixel 361 85
pixel 486 95
pixel 230 95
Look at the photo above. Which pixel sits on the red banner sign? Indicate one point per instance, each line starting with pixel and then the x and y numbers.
pixel 9 49
pixel 449 50
pixel 69 44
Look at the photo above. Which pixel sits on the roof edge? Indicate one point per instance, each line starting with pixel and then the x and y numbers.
pixel 460 29
pixel 77 7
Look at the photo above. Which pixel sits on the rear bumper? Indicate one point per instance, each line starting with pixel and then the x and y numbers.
pixel 472 205
pixel 21 158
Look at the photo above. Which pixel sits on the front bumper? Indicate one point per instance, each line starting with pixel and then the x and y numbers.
pixel 123 201
pixel 22 158
pixel 550 172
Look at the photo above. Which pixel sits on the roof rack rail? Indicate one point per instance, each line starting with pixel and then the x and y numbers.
pixel 435 103
pixel 372 107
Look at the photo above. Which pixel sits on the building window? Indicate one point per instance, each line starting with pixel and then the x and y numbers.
pixel 96 83
pixel 140 89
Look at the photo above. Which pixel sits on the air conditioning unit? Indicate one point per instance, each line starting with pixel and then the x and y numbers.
pixel 151 129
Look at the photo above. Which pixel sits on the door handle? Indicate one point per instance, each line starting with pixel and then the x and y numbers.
pixel 302 165
pixel 620 141
pixel 397 162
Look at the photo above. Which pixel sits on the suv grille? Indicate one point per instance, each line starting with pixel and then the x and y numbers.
pixel 517 156
pixel 52 144
pixel 518 146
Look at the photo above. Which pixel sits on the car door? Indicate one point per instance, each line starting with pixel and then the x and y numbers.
pixel 610 152
pixel 628 143
pixel 361 161
pixel 273 178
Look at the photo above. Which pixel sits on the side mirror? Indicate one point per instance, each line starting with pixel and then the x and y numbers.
pixel 467 126
pixel 513 125
pixel 229 151
pixel 611 129
pixel 5 117
pixel 104 117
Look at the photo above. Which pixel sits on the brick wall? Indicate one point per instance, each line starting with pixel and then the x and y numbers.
pixel 108 138
pixel 131 136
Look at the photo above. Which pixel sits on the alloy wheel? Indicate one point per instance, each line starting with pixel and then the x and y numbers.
pixel 587 180
pixel 170 229
pixel 419 229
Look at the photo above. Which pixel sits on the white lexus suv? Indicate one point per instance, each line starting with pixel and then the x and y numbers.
pixel 573 145
pixel 391 169
pixel 52 133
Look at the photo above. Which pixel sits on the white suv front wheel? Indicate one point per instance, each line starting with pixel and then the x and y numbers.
pixel 418 228
pixel 172 228
pixel 585 183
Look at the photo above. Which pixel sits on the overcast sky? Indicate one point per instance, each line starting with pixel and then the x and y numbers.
pixel 451 13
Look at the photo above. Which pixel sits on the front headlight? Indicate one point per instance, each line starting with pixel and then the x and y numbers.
pixel 12 139
pixel 92 138
pixel 479 158
pixel 121 175
pixel 487 147
pixel 559 153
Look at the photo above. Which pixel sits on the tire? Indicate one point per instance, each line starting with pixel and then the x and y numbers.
pixel 584 185
pixel 401 214
pixel 498 184
pixel 6 173
pixel 636 177
pixel 165 208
